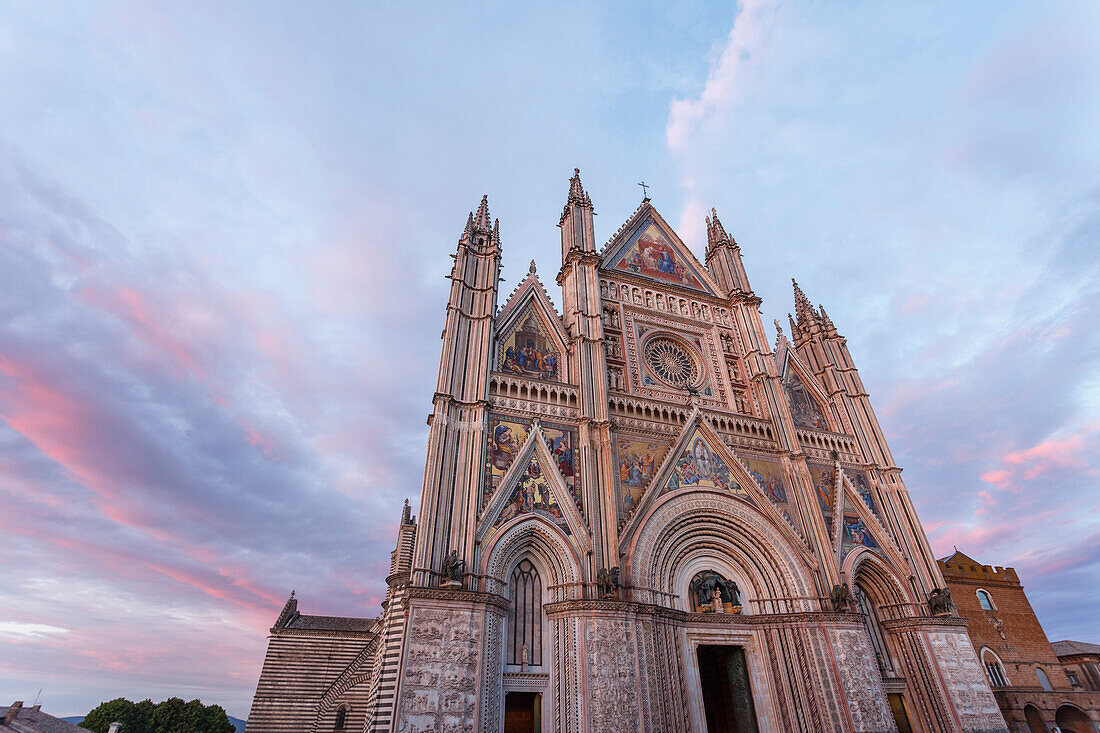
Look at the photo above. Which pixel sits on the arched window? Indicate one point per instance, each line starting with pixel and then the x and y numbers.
pixel 341 720
pixel 525 615
pixel 874 628
pixel 1043 679
pixel 986 600
pixel 994 669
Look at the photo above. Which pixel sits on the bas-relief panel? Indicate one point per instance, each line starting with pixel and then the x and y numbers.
pixel 700 467
pixel 532 493
pixel 506 435
pixel 528 350
pixel 439 690
pixel 649 253
pixel 805 410
pixel 860 679
pixel 638 459
pixel 611 652
pixel 966 682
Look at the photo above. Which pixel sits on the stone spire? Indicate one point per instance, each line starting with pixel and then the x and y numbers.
pixel 481 218
pixel 807 317
pixel 576 220
pixel 724 258
pixel 716 233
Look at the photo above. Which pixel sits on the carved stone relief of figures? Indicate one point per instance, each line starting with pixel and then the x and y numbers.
pixel 727 343
pixel 614 348
pixel 615 378
pixel 611 653
pixel 440 681
pixel 734 370
pixel 741 402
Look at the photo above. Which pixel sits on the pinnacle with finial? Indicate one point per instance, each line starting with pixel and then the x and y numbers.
pixel 576 190
pixel 828 322
pixel 716 233
pixel 481 219
pixel 468 232
pixel 802 308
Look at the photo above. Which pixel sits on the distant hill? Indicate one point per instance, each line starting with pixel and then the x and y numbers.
pixel 238 724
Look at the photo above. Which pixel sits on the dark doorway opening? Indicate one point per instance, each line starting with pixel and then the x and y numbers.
pixel 522 712
pixel 901 714
pixel 727 696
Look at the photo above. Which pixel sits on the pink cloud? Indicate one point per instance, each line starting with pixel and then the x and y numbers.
pixel 1063 452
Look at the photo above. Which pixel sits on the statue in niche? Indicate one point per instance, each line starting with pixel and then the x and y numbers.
pixel 453 568
pixel 712 590
pixel 939 601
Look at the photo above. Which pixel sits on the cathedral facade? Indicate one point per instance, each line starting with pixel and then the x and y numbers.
pixel 640 515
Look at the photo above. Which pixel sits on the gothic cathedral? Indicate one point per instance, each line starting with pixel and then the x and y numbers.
pixel 637 515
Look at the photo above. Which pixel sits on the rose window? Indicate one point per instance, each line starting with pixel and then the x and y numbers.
pixel 670 361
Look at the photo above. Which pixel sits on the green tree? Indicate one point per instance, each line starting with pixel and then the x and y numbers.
pixel 171 716
pixel 100 719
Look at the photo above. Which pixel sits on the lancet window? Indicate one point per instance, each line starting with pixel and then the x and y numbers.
pixel 874 628
pixel 525 615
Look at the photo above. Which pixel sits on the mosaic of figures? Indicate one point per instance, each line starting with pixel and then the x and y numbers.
pixel 824 478
pixel 638 461
pixel 772 480
pixel 528 350
pixel 700 467
pixel 805 410
pixel 650 253
pixel 506 435
pixel 856 532
pixel 532 493
pixel 863 488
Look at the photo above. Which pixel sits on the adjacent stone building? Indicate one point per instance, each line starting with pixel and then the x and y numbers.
pixel 638 514
pixel 1081 662
pixel 1029 676
pixel 18 719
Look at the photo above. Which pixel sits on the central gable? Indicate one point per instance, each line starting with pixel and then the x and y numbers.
pixel 651 249
pixel 699 465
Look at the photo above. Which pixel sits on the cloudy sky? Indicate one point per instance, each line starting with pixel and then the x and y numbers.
pixel 224 231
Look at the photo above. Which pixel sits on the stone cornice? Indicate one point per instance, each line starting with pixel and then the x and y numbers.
pixel 498 603
pixel 606 606
pixel 917 622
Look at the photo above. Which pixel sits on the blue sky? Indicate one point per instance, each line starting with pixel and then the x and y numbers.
pixel 224 231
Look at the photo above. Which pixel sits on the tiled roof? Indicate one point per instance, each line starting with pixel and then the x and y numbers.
pixel 29 720
pixel 331 623
pixel 959 557
pixel 1067 648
